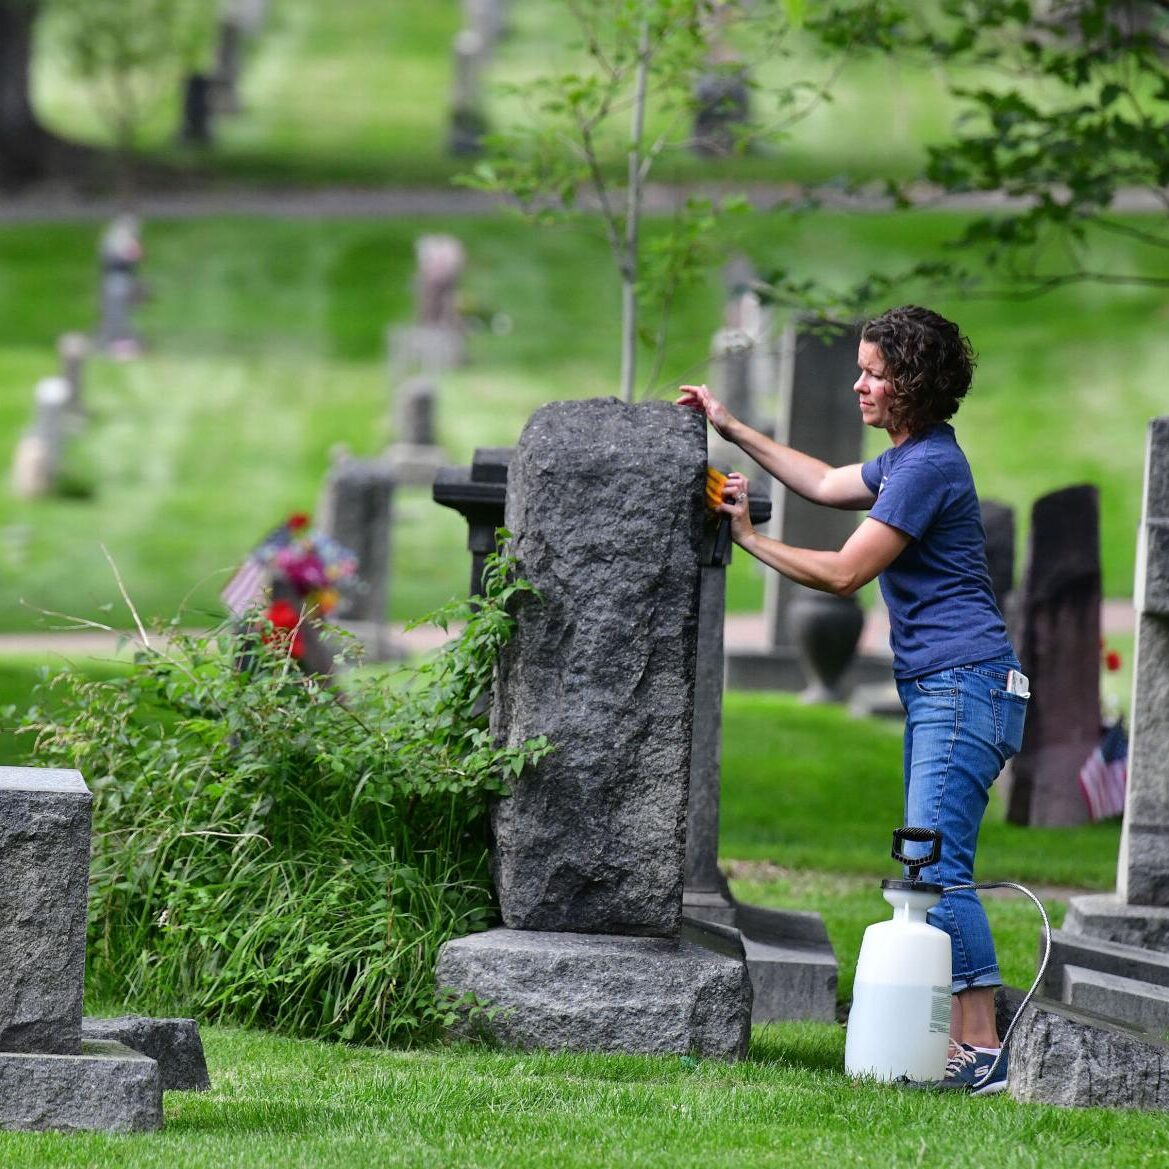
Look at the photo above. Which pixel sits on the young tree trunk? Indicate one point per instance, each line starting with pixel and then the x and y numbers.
pixel 629 268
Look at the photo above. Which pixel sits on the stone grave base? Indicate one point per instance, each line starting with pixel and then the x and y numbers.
pixel 107 1087
pixel 604 992
pixel 1107 917
pixel 1135 962
pixel 779 669
pixel 789 957
pixel 174 1044
pixel 1063 1055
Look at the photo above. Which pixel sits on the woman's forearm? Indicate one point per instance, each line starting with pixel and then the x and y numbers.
pixel 803 474
pixel 827 572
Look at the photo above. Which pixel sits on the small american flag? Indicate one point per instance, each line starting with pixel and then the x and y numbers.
pixel 246 588
pixel 1105 774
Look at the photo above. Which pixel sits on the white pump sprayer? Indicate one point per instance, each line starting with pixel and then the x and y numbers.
pixel 899 1023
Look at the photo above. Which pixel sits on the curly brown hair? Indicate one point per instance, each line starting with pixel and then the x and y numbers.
pixel 929 363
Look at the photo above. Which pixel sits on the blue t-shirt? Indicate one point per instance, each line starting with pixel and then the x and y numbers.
pixel 942 610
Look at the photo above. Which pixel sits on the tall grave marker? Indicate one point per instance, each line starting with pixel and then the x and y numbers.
pixel 1058 642
pixel 605 502
pixel 818 415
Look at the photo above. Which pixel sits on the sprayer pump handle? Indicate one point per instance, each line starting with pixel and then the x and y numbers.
pixel 917 836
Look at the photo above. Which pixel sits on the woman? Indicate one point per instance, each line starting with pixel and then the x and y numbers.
pixel 955 669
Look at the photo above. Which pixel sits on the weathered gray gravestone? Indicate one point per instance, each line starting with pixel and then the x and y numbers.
pixel 48 1079
pixel 605 503
pixel 818 415
pixel 467 121
pixel 415 456
pixel 356 510
pixel 606 523
pixel 998 522
pixel 1058 642
pixel 73 349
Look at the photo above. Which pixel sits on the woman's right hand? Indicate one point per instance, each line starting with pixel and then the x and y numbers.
pixel 701 399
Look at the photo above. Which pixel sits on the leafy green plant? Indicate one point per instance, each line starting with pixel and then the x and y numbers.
pixel 272 851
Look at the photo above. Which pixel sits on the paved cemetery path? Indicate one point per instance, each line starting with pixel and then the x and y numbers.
pixel 61 203
pixel 742 631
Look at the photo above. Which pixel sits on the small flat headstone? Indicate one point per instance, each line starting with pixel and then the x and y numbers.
pixel 174 1044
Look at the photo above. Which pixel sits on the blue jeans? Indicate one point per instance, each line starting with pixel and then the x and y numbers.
pixel 961 727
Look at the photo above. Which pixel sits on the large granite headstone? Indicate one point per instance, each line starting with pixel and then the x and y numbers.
pixel 607 524
pixel 605 505
pixel 1058 642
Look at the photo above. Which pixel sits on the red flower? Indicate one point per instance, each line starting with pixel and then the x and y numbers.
pixel 298 520
pixel 285 621
pixel 1112 661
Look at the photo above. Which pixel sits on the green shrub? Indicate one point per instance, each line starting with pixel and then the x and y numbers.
pixel 272 851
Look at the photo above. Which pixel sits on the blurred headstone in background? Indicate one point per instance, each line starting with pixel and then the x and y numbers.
pixel 436 339
pixel 195 129
pixel 247 15
pixel 722 93
pixel 120 254
pixel 229 50
pixel 1057 638
pixel 722 96
pixel 817 414
pixel 485 17
pixel 355 510
pixel 415 456
pixel 37 460
pixel 998 522
pixel 468 123
pixel 72 350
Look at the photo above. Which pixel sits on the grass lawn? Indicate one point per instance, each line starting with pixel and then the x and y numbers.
pixel 361 93
pixel 810 797
pixel 267 350
pixel 284 1104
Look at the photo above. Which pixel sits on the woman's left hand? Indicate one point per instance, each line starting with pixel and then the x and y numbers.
pixel 737 505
